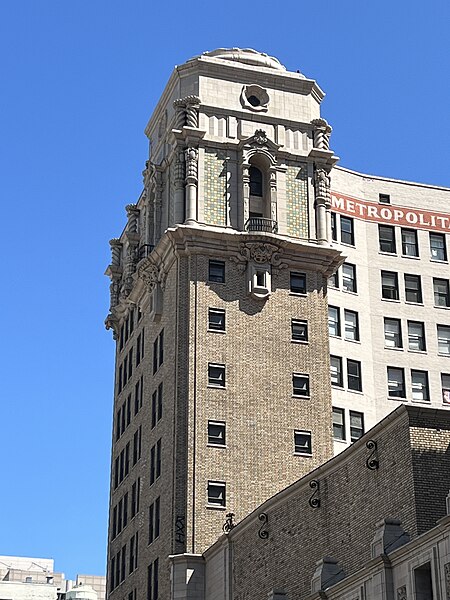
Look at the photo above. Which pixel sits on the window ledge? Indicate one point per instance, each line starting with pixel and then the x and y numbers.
pixel 410 302
pixel 350 292
pixel 211 445
pixel 304 342
pixel 384 253
pixel 336 337
pixel 421 401
pixel 398 348
pixel 418 351
pixel 443 355
pixel 305 454
pixel 308 397
pixel 339 441
pixel 352 341
pixel 348 245
pixel 215 507
pixel 442 307
pixel 301 294
pixel 337 387
pixel 359 392
pixel 216 387
pixel 390 300
pixel 398 398
pixel 216 330
pixel 440 262
pixel 413 257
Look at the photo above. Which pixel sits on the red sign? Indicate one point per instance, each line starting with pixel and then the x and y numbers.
pixel 392 215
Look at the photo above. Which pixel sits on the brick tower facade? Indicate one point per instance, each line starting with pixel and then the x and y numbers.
pixel 219 312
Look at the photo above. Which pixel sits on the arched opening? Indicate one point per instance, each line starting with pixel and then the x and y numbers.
pixel 257 203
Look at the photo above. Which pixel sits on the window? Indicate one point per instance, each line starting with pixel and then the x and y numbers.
pixel 336 371
pixel 299 330
pixel 351 325
pixel 216 375
pixel 441 292
pixel 347 231
pixel 154 520
pixel 354 380
pixel 152 581
pixel 216 271
pixel 416 336
pixel 157 404
pixel 333 227
pixel 349 277
pixel 298 283
pixel 302 442
pixel 216 433
pixel 419 384
pixel 135 497
pixel 443 333
pixel 392 333
pixel 356 425
pixel 389 285
pixel 423 583
pixel 137 445
pixel 216 493
pixel 438 248
pixel 216 319
pixel 300 385
pixel 384 198
pixel 256 179
pixel 334 324
pixel 445 384
pixel 413 289
pixel 155 462
pixel 158 351
pixel 138 395
pixel 338 423
pixel 396 382
pixel 410 246
pixel 134 541
pixel 386 238
pixel 333 280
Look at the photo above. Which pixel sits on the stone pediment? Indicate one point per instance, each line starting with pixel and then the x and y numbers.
pixel 259 140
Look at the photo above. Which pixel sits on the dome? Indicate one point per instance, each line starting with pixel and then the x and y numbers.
pixel 247 56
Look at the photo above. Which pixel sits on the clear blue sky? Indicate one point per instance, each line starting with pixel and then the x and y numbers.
pixel 79 81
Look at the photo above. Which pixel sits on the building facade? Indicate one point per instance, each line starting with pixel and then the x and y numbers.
pixel 220 310
pixel 371 524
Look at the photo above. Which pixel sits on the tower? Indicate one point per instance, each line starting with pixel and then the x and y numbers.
pixel 219 312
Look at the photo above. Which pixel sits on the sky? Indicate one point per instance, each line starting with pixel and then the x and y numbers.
pixel 78 82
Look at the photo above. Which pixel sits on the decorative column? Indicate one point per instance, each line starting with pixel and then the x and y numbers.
pixel 323 204
pixel 180 114
pixel 116 251
pixel 192 106
pixel 321 133
pixel 273 195
pixel 157 204
pixel 191 157
pixel 179 181
pixel 132 257
pixel 147 174
pixel 246 193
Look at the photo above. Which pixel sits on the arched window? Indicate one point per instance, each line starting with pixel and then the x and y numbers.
pixel 256 182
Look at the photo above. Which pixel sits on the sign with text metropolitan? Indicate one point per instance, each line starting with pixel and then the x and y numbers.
pixel 390 215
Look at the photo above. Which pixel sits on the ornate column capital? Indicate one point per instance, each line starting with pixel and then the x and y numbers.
pixel 321 132
pixel 191 158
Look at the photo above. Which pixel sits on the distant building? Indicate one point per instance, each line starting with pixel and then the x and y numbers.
pixel 24 578
pixel 371 524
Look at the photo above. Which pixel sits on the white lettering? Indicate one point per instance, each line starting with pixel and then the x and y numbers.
pixel 338 202
pixel 350 206
pixel 411 217
pixel 398 214
pixel 386 213
pixel 433 220
pixel 443 221
pixel 372 211
pixel 362 209
pixel 422 220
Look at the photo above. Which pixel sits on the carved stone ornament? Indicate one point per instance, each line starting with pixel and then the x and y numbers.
pixel 447 581
pixel 186 112
pixel 261 252
pixel 322 183
pixel 322 132
pixel 260 137
pixel 401 593
pixel 112 323
pixel 149 274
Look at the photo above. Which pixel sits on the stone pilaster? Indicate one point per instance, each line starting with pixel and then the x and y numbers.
pixel 191 158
